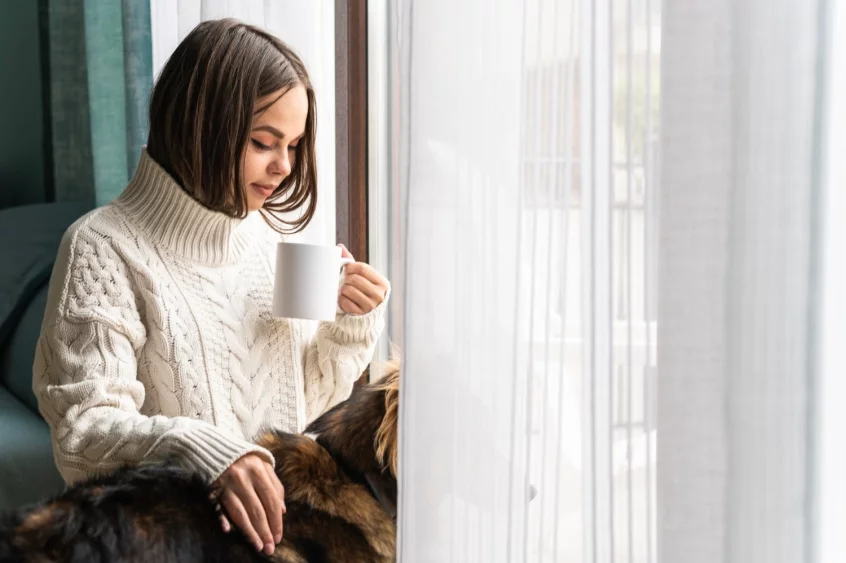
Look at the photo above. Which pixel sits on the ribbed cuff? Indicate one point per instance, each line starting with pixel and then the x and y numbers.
pixel 367 328
pixel 210 452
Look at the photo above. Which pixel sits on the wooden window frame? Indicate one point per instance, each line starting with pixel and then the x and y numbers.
pixel 351 149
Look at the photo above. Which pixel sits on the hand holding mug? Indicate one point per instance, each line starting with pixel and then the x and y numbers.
pixel 363 289
pixel 306 283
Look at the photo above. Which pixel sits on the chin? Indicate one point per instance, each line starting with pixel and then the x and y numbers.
pixel 254 205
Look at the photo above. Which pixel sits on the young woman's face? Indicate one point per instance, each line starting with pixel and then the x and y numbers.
pixel 272 148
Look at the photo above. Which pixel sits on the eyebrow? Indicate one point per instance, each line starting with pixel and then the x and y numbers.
pixel 272 130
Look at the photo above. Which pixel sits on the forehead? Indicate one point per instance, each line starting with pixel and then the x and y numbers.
pixel 288 111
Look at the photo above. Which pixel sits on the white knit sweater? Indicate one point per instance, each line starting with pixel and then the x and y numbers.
pixel 158 341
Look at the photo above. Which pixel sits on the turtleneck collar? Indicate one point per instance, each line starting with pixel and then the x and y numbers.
pixel 175 220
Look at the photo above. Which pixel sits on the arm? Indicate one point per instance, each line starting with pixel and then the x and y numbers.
pixel 336 357
pixel 84 377
pixel 340 350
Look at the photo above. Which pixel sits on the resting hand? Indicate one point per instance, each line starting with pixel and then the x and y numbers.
pixel 254 499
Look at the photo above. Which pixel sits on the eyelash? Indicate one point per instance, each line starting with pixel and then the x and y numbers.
pixel 263 147
pixel 260 146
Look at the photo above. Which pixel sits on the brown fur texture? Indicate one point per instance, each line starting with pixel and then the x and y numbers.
pixel 341 492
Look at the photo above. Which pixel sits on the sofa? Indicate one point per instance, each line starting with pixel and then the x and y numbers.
pixel 29 240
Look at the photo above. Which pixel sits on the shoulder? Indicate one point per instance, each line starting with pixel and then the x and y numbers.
pixel 92 268
pixel 106 225
pixel 96 245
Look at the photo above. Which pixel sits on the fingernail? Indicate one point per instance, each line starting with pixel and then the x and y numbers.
pixel 259 547
pixel 268 549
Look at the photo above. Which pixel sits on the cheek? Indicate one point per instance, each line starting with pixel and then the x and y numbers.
pixel 254 166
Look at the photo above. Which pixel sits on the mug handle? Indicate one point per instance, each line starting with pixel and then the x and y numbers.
pixel 345 260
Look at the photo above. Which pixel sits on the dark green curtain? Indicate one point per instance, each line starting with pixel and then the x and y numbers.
pixel 100 75
pixel 23 170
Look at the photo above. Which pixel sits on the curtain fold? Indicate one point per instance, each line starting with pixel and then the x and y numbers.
pixel 828 517
pixel 527 136
pixel 617 241
pixel 740 206
pixel 459 163
pixel 100 79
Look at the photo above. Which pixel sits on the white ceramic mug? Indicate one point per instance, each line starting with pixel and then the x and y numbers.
pixel 306 284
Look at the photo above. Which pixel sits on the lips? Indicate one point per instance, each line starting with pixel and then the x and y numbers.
pixel 265 189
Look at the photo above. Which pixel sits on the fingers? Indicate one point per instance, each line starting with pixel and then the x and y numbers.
pixel 363 288
pixel 361 301
pixel 214 497
pixel 372 291
pixel 278 484
pixel 272 502
pixel 345 253
pixel 348 306
pixel 239 514
pixel 224 524
pixel 253 502
pixel 366 271
pixel 259 518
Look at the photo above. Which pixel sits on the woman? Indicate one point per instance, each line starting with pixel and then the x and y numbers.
pixel 157 341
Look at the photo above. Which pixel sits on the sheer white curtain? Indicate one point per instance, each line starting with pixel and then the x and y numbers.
pixel 550 165
pixel 522 191
pixel 460 161
pixel 309 27
pixel 745 250
pixel 829 509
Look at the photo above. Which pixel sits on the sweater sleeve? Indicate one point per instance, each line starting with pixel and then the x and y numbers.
pixel 337 355
pixel 85 378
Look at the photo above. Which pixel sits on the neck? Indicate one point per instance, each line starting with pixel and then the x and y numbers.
pixel 158 205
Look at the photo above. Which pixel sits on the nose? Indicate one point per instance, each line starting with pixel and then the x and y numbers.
pixel 281 165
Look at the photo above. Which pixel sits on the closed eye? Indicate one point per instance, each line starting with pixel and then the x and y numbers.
pixel 260 146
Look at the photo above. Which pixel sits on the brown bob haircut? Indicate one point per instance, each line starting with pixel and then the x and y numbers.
pixel 201 111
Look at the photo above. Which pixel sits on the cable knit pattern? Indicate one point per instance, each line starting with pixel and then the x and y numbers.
pixel 158 341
